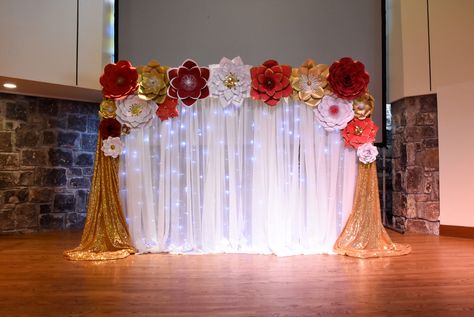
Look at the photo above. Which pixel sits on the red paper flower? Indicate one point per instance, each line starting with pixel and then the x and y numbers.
pixel 167 109
pixel 188 82
pixel 270 82
pixel 109 127
pixel 348 78
pixel 358 132
pixel 119 80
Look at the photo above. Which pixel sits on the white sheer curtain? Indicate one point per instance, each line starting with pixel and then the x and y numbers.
pixel 254 179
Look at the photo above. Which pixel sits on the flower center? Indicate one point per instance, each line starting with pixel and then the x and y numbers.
pixel 358 130
pixel 231 81
pixel 154 82
pixel 136 109
pixel 269 83
pixel 309 83
pixel 112 146
pixel 188 82
pixel 334 110
pixel 120 80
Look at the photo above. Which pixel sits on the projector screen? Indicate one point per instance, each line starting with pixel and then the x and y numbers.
pixel 256 30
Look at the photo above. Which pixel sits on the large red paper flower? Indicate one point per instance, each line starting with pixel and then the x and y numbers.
pixel 167 109
pixel 109 127
pixel 358 132
pixel 119 80
pixel 348 78
pixel 188 82
pixel 270 82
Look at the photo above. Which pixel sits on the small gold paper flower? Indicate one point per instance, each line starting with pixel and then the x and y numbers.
pixel 309 82
pixel 107 109
pixel 153 82
pixel 363 106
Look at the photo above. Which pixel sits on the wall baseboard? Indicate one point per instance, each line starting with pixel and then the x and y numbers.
pixel 456 231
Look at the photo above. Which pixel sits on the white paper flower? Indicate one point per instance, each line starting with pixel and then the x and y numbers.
pixel 112 146
pixel 230 81
pixel 135 112
pixel 334 113
pixel 367 153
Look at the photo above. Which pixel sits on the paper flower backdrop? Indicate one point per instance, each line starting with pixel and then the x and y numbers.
pixel 230 81
pixel 367 153
pixel 348 78
pixel 359 132
pixel 334 113
pixel 112 146
pixel 168 109
pixel 188 82
pixel 153 82
pixel 107 109
pixel 309 82
pixel 271 82
pixel 119 80
pixel 109 127
pixel 364 106
pixel 135 112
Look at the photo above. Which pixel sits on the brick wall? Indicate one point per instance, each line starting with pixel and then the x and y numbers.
pixel 46 158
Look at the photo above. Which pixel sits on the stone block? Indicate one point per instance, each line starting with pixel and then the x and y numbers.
pixel 59 157
pixel 57 123
pixel 8 179
pixel 414 180
pixel 17 111
pixel 26 216
pixel 49 138
pixel 429 159
pixel 88 171
pixel 77 123
pixel 75 221
pixel 88 142
pixel 428 118
pixel 64 203
pixel 399 204
pixel 27 136
pixel 428 210
pixel 81 201
pixel 79 182
pixel 48 107
pixel 15 196
pixel 68 139
pixel 9 161
pixel 41 195
pixel 93 123
pixel 5 141
pixel 7 217
pixel 45 209
pixel 33 158
pixel 74 171
pixel 422 226
pixel 411 207
pixel 430 143
pixel 410 154
pixel 84 159
pixel 51 221
pixel 428 103
pixel 26 178
pixel 51 176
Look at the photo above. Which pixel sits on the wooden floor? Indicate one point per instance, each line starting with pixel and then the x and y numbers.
pixel 437 279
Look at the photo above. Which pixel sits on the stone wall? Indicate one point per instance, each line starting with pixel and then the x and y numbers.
pixel 47 151
pixel 415 164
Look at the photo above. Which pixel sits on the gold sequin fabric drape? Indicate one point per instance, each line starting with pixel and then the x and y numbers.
pixel 364 235
pixel 105 235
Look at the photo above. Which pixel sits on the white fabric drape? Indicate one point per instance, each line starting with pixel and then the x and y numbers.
pixel 254 179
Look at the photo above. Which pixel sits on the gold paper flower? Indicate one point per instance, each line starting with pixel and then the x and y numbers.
pixel 309 82
pixel 107 109
pixel 153 82
pixel 363 106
